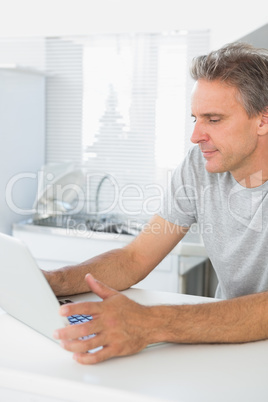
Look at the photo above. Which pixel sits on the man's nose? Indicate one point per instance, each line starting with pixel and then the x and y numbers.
pixel 199 134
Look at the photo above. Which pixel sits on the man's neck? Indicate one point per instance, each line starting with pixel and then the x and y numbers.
pixel 254 173
pixel 254 180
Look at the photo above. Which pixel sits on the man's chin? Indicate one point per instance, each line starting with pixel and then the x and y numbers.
pixel 213 168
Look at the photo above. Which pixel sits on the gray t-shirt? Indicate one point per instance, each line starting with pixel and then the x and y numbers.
pixel 232 219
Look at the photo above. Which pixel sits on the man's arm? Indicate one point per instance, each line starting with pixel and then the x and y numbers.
pixel 121 268
pixel 124 327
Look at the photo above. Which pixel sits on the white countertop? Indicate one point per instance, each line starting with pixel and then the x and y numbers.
pixel 31 363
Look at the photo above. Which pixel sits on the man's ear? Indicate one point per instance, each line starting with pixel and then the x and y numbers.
pixel 263 125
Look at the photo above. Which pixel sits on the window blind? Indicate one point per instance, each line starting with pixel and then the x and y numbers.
pixel 64 99
pixel 119 105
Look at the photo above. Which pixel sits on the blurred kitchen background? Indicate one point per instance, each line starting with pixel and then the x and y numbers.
pixel 95 115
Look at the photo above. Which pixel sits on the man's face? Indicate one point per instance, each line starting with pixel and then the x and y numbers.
pixel 225 134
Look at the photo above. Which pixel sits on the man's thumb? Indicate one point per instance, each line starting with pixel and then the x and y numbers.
pixel 99 288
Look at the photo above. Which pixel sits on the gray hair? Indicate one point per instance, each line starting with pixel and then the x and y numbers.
pixel 242 66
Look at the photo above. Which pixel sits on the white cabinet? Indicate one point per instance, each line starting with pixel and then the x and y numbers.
pixel 22 142
pixel 52 248
pixel 181 271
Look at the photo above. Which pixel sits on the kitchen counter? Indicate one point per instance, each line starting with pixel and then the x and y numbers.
pixel 33 367
pixel 191 245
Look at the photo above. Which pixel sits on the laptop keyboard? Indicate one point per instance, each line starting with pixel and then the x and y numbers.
pixel 76 318
pixel 79 319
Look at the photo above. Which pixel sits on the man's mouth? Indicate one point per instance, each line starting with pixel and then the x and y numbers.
pixel 208 152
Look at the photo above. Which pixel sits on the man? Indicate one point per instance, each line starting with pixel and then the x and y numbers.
pixel 221 185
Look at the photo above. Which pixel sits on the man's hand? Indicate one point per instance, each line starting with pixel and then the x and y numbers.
pixel 121 326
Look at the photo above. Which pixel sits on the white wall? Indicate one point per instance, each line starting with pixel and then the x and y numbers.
pixel 227 20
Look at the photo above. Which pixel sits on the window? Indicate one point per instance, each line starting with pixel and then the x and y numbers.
pixel 118 106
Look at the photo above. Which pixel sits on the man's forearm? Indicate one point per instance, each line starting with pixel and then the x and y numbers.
pixel 124 327
pixel 121 268
pixel 116 268
pixel 242 319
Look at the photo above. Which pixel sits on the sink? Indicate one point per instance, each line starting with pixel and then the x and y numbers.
pixel 109 223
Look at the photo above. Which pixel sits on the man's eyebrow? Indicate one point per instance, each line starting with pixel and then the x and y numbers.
pixel 209 114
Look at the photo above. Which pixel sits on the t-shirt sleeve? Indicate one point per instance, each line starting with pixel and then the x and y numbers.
pixel 178 202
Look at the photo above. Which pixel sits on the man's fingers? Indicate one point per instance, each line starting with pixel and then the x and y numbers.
pixel 86 308
pixel 111 335
pixel 99 288
pixel 84 345
pixel 78 330
pixel 92 358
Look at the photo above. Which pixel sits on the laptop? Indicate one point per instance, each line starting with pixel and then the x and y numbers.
pixel 25 293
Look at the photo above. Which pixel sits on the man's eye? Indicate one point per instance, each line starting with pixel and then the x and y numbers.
pixel 194 120
pixel 214 120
